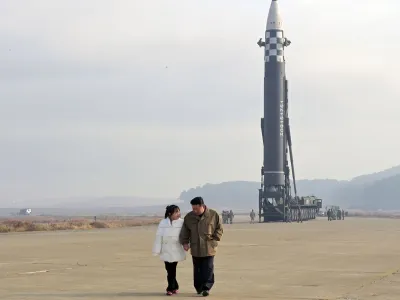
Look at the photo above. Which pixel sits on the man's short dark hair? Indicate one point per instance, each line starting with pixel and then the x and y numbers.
pixel 197 201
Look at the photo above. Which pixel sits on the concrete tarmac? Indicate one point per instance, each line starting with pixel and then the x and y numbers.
pixel 354 259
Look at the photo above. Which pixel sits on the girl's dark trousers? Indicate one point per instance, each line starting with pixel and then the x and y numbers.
pixel 171 276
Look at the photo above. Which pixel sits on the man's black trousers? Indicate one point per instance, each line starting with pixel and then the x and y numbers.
pixel 203 273
pixel 171 276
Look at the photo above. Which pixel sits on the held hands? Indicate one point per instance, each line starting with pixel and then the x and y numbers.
pixel 186 247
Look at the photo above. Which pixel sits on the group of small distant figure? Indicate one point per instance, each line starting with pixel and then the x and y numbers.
pixel 227 216
pixel 335 215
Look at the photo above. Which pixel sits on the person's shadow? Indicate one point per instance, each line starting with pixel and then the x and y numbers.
pixel 99 295
pixel 150 294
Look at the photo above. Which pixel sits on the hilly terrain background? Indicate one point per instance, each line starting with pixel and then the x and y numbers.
pixel 377 191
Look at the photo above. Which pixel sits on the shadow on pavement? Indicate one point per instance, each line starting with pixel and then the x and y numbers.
pixel 98 295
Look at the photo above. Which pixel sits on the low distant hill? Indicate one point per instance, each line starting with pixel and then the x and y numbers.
pixel 375 191
pixel 371 178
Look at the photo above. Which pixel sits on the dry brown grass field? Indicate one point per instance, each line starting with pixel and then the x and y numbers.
pixel 34 223
pixel 354 259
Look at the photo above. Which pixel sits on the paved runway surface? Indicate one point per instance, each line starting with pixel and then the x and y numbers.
pixel 354 259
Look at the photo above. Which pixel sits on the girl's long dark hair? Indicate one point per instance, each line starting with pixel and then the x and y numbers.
pixel 170 210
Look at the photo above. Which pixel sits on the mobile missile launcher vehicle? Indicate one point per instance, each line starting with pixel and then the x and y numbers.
pixel 311 206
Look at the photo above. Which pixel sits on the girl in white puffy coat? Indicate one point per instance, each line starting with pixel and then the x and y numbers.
pixel 167 245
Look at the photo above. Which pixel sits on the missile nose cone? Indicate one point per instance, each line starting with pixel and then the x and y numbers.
pixel 274 21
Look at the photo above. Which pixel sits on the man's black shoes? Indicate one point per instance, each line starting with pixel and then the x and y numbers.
pixel 205 293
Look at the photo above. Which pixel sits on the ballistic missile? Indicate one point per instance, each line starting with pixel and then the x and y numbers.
pixel 273 123
pixel 275 200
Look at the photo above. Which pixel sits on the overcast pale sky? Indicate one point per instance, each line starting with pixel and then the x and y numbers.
pixel 150 97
